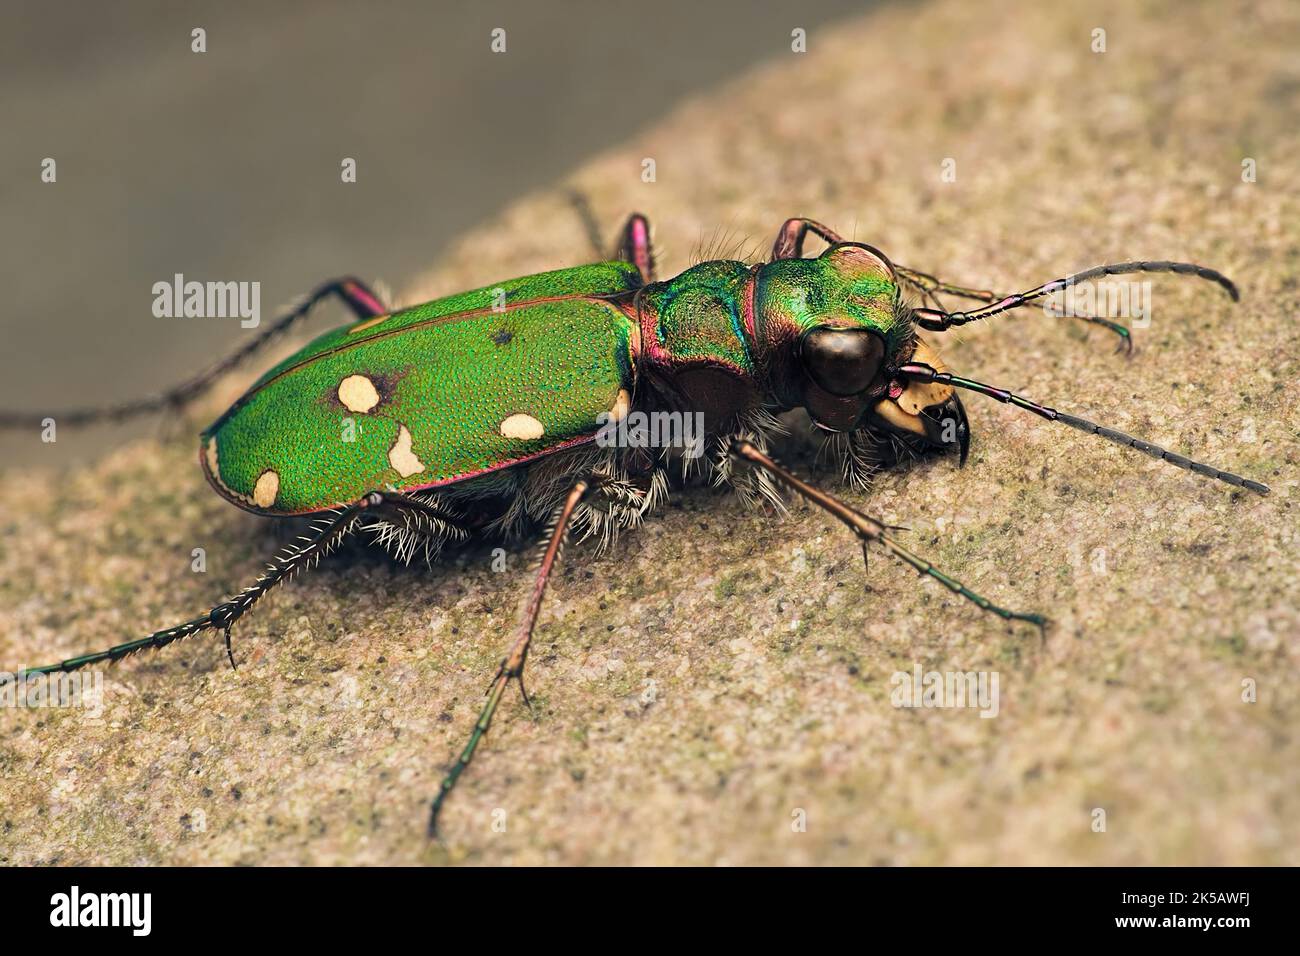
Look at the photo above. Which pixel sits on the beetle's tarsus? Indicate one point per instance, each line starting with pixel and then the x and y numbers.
pixel 581 204
pixel 435 808
pixel 1125 336
pixel 327 535
pixel 1126 345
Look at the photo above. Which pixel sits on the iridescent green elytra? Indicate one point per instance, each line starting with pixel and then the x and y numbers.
pixel 418 399
pixel 489 411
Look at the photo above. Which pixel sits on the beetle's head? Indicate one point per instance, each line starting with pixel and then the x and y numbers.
pixel 846 330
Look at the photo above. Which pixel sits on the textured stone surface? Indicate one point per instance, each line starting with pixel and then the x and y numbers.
pixel 720 670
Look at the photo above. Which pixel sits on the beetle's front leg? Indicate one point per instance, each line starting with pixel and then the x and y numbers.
pixel 794 232
pixel 789 241
pixel 870 530
pixel 928 285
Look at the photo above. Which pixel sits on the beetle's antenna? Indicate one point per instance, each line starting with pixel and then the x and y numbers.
pixel 928 286
pixel 937 321
pixel 920 372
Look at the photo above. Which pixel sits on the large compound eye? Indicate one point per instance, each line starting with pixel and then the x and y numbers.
pixel 842 361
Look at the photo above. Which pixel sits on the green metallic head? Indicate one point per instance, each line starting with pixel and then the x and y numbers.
pixel 829 329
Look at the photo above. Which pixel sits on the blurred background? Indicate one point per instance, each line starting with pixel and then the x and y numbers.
pixel 225 165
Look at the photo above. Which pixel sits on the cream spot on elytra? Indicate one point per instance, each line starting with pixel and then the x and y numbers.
pixel 358 393
pixel 211 452
pixel 402 458
pixel 266 489
pixel 621 405
pixel 522 427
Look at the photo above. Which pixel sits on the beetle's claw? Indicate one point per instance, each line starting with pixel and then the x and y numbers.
pixel 230 652
pixel 528 701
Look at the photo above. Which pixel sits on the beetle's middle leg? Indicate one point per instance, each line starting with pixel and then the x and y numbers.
pixel 634 246
pixel 356 295
pixel 512 665
pixel 634 238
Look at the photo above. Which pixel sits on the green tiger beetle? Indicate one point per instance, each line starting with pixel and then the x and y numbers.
pixel 482 411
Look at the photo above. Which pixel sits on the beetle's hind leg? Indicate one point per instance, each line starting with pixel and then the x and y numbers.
pixel 512 665
pixel 354 293
pixel 870 530
pixel 328 532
